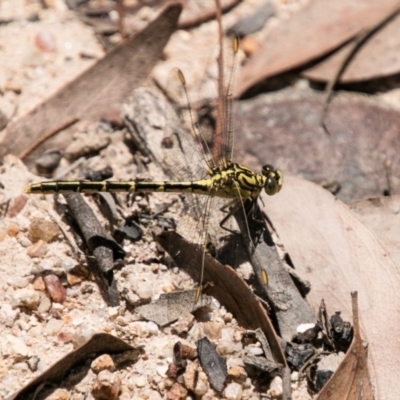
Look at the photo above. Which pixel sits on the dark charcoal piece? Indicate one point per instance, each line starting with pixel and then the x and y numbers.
pixel 99 175
pixel 179 361
pixel 212 363
pixel 309 335
pixel 131 230
pixel 342 332
pixel 321 377
pixel 298 354
pixel 253 363
pixel 105 250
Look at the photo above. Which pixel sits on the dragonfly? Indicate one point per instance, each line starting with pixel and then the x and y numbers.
pixel 224 179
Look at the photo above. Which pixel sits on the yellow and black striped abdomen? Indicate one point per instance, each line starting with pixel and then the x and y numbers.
pixel 198 187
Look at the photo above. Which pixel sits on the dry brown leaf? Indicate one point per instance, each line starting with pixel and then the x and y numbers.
pixel 100 343
pixel 225 285
pixel 338 254
pixel 382 216
pixel 316 30
pixel 351 379
pixel 377 58
pixel 364 133
pixel 104 85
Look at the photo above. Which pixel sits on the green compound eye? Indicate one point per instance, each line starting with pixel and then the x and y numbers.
pixel 273 183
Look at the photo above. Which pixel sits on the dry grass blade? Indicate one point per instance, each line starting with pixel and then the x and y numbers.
pixel 105 85
pixel 351 380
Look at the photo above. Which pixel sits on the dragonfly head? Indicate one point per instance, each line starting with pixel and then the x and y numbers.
pixel 273 183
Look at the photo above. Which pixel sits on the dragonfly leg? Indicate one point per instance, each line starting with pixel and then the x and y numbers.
pixel 236 206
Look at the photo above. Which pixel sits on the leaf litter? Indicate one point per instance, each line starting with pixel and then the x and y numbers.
pixel 296 42
pixel 337 254
pixel 317 260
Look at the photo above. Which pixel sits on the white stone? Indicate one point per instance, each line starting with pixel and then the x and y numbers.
pixel 23 325
pixel 255 351
pixel 139 328
pixel 46 265
pixel 139 380
pixel 20 282
pixel 233 391
pixel 304 327
pixel 53 326
pixel 83 334
pixel 12 346
pixel 113 312
pixel 44 305
pixel 294 377
pixel 161 370
pixel 152 328
pixel 8 315
pixel 42 366
pixel 145 291
pixel 275 389
pixel 28 298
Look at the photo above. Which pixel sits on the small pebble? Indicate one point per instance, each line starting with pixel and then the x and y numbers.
pixel 39 249
pixel 112 312
pixel 12 229
pixel 255 351
pixel 82 335
pixel 139 328
pixel 237 373
pixel 66 334
pixel 33 363
pixel 20 282
pixel 56 290
pixel 23 240
pixel 38 284
pixel 228 317
pixel 8 315
pixel 17 205
pixel 23 325
pixel 233 391
pixel 42 366
pixel 177 392
pixel 275 389
pixel 48 162
pixel 53 326
pixel 59 394
pixel 40 229
pixel 139 380
pixel 46 265
pixel 195 381
pixel 103 362
pixel 12 346
pixel 20 366
pixel 107 386
pixel 26 298
pixel 152 328
pixel 145 291
pixel 45 41
pixel 44 305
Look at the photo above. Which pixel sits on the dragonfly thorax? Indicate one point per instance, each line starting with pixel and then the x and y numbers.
pixel 233 180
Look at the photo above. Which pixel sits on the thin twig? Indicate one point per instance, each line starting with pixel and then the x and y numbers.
pixel 219 129
pixel 357 44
